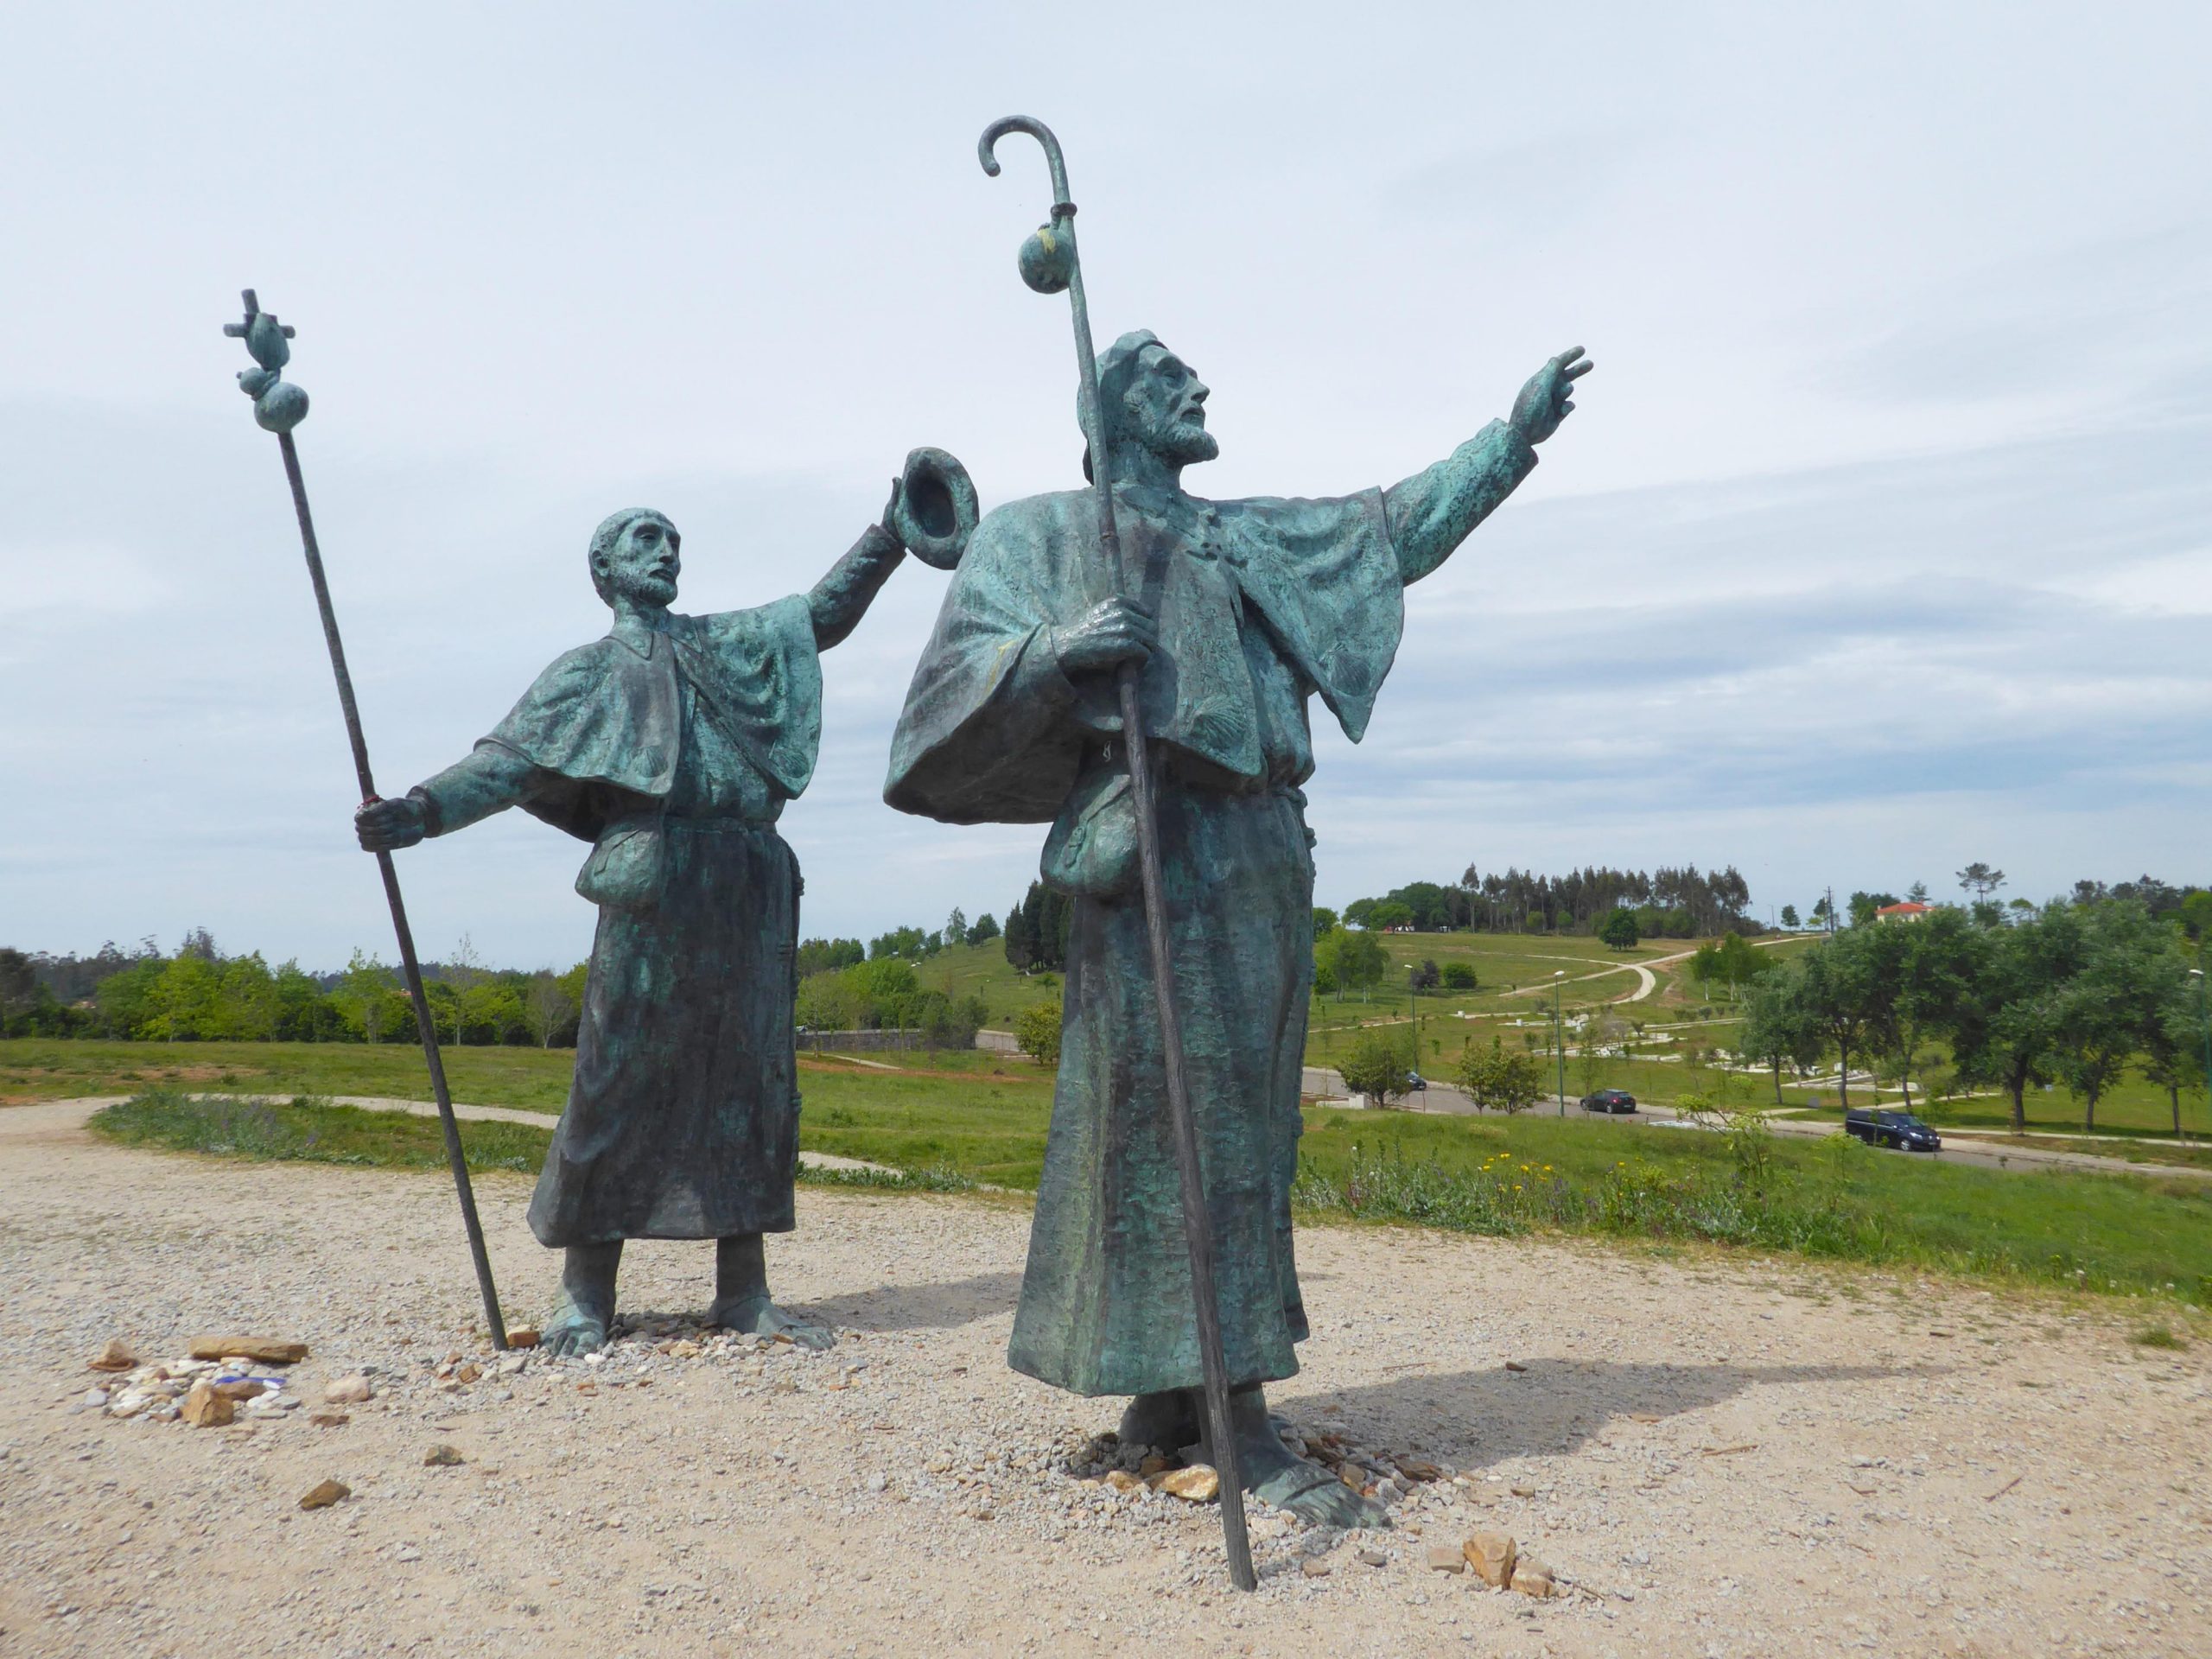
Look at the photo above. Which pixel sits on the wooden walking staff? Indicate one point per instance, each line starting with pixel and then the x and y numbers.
pixel 279 406
pixel 1049 263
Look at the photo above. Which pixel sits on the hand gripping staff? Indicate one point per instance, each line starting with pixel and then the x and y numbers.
pixel 279 406
pixel 1049 263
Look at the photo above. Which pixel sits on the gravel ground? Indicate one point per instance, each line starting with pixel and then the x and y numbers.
pixel 1729 1458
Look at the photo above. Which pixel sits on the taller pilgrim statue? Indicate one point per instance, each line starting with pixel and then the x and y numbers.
pixel 1247 608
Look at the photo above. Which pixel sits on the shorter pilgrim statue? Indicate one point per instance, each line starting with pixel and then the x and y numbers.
pixel 671 745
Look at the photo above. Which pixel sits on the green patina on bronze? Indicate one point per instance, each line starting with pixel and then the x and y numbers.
pixel 1246 610
pixel 671 745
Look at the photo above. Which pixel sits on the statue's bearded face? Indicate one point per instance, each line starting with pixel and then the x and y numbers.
pixel 1165 409
pixel 642 564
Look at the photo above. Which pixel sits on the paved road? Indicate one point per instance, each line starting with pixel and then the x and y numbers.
pixel 1986 1153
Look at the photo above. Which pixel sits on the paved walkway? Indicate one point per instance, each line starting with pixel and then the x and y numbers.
pixel 91 1103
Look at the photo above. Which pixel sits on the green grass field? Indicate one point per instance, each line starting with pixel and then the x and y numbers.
pixel 43 1069
pixel 1832 1199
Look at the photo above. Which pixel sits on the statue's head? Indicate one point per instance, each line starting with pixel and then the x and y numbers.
pixel 633 555
pixel 1147 395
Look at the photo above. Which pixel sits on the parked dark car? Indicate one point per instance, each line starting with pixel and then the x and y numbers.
pixel 1415 1081
pixel 1884 1129
pixel 1609 1100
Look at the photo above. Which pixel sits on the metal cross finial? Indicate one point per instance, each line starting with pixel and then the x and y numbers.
pixel 240 330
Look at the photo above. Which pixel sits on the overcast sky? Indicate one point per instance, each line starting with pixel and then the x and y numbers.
pixel 1878 544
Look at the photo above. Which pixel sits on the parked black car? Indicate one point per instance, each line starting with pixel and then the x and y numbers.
pixel 1882 1129
pixel 1609 1100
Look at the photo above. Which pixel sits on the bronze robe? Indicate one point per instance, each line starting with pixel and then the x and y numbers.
pixel 1261 604
pixel 673 752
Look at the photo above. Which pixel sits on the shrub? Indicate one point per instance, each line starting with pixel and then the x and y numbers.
pixel 1460 976
pixel 1498 1079
pixel 1377 1066
pixel 1037 1031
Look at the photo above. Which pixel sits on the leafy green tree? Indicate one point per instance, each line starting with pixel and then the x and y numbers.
pixel 304 1015
pixel 1037 1031
pixel 1618 929
pixel 983 930
pixel 2171 1048
pixel 1425 976
pixel 1979 881
pixel 1739 962
pixel 819 956
pixel 2103 1010
pixel 1389 914
pixel 1841 996
pixel 1460 976
pixel 1864 905
pixel 492 1011
pixel 1498 1079
pixel 1377 1066
pixel 1932 975
pixel 956 927
pixel 1357 911
pixel 19 986
pixel 1780 1026
pixel 826 1003
pixel 909 943
pixel 1324 919
pixel 1428 905
pixel 363 996
pixel 1355 959
pixel 2011 1039
pixel 1790 917
pixel 549 1005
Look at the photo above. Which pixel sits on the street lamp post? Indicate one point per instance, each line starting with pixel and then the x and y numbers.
pixel 1412 1003
pixel 1559 1038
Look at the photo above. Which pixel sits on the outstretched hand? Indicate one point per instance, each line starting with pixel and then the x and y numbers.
pixel 387 826
pixel 1548 397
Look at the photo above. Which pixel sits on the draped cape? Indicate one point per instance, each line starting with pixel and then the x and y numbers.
pixel 992 732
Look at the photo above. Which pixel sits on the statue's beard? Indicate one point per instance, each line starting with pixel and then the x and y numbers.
pixel 645 587
pixel 1177 443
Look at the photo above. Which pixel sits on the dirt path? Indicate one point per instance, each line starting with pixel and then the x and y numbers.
pixel 1738 1459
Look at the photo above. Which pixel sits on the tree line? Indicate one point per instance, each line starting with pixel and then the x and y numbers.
pixel 1667 903
pixel 2076 992
pixel 197 994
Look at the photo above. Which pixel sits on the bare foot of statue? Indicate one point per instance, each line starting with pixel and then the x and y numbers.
pixel 1268 1469
pixel 741 1299
pixel 579 1325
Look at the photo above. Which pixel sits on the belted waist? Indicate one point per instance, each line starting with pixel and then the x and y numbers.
pixel 1176 764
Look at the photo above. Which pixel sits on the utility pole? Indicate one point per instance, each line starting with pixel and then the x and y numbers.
pixel 1559 1038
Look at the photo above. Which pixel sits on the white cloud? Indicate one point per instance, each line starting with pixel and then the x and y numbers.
pixel 1878 541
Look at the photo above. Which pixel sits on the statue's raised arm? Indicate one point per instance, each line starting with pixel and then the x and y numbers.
pixel 1435 510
